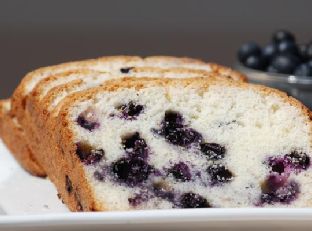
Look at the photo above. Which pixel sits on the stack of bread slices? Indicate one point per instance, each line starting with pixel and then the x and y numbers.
pixel 125 132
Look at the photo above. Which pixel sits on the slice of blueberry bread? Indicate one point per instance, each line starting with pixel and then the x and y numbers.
pixel 196 143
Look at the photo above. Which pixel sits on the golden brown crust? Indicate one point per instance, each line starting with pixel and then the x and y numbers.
pixel 14 138
pixel 65 136
pixel 218 69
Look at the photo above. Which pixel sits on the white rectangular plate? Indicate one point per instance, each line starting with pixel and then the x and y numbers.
pixel 29 203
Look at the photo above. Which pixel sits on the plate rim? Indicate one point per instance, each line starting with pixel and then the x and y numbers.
pixel 168 216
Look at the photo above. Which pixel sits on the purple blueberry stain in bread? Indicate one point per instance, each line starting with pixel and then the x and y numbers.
pixel 162 190
pixel 138 198
pixel 129 111
pixel 125 70
pixel 276 188
pixel 88 120
pixel 213 151
pixel 219 174
pixel 100 175
pixel 181 172
pixel 87 154
pixel 131 171
pixel 293 162
pixel 135 146
pixel 193 200
pixel 176 132
pixel 273 182
pixel 68 184
pixel 278 191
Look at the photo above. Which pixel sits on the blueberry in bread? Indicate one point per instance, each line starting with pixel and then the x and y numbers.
pixel 190 143
pixel 125 65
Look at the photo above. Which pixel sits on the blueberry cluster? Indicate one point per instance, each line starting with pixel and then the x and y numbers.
pixel 277 188
pixel 133 169
pixel 292 162
pixel 177 132
pixel 282 55
pixel 128 111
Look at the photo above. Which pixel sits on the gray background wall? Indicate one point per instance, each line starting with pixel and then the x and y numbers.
pixel 35 33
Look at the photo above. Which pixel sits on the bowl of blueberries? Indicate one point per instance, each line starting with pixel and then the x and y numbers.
pixel 283 64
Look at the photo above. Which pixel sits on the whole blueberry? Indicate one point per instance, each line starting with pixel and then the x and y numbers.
pixel 303 52
pixel 257 62
pixel 176 132
pixel 192 200
pixel 269 51
pixel 132 171
pixel 283 35
pixel 181 172
pixel 287 47
pixel 219 174
pixel 173 119
pixel 213 151
pixel 299 161
pixel 285 63
pixel 183 137
pixel 303 69
pixel 248 49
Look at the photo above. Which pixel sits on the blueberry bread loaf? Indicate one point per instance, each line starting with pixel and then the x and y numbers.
pixel 188 143
pixel 115 66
